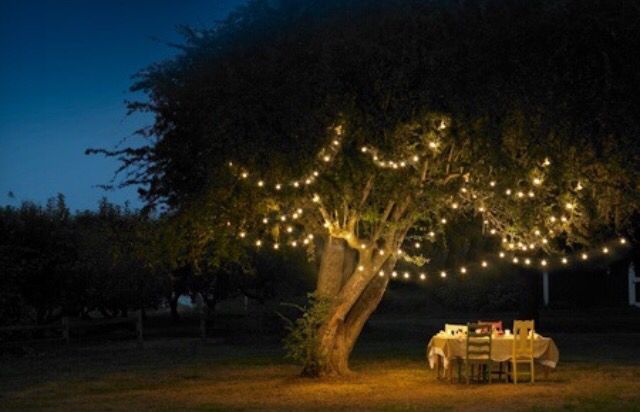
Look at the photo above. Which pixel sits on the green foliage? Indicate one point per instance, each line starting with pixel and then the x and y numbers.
pixel 302 341
pixel 56 263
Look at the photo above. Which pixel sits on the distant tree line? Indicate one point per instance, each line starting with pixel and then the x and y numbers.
pixel 114 260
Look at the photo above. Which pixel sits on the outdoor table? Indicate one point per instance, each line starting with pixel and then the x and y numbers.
pixel 443 348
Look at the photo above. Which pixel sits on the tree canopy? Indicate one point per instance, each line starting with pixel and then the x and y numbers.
pixel 377 125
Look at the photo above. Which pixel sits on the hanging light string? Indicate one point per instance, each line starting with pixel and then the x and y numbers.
pixel 476 196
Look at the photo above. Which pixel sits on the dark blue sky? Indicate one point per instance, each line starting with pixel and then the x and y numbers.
pixel 65 67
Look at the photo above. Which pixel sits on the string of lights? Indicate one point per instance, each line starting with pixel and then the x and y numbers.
pixel 467 197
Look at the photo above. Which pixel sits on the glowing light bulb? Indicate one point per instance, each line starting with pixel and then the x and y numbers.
pixel 527 261
pixel 553 219
pixel 515 260
pixel 306 241
pixel 544 240
pixel 605 250
pixel 543 262
pixel 492 231
pixel 537 181
pixel 463 270
pixel 381 252
pixel 363 149
pixel 569 206
pixel 520 194
pixel 326 158
pixel 492 183
pixel 501 254
pixel 484 264
pixel 244 175
pixel 316 198
pixel 507 192
pixel 258 243
pixel 463 189
pixel 403 164
pixel 417 245
pixel 361 268
pixel 260 183
pixel 336 142
pixel 406 275
pixel 265 220
pixel 564 260
pixel 443 221
pixel 307 182
pixel 289 229
pixel 433 145
pixel 276 246
pixel 546 162
pixel 381 273
pixel 432 234
pixel 394 274
pixel 278 186
pixel 454 205
pixel 537 232
pixel 443 274
pixel 584 256
pixel 416 158
pixel 423 276
pixel 296 184
pixel 531 194
pixel 399 251
pixel 294 243
pixel 623 241
pixel 481 209
pixel 283 218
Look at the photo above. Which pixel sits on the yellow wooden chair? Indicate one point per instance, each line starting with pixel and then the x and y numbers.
pixel 523 335
pixel 478 351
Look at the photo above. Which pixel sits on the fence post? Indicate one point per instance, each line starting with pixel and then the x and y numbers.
pixel 201 305
pixel 631 275
pixel 65 329
pixel 545 288
pixel 139 329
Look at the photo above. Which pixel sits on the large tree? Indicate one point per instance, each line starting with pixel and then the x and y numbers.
pixel 363 130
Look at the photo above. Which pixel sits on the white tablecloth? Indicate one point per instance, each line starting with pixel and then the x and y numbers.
pixel 449 347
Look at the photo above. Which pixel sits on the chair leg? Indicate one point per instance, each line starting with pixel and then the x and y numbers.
pixel 533 372
pixel 515 372
pixel 489 368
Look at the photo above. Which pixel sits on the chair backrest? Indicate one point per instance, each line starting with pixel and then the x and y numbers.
pixel 523 334
pixel 450 327
pixel 478 341
pixel 496 325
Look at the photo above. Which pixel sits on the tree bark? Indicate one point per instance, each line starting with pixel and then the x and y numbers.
pixel 355 294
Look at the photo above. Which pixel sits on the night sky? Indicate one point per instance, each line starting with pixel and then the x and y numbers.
pixel 65 69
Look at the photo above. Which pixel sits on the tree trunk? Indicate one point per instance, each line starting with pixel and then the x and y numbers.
pixel 356 294
pixel 173 304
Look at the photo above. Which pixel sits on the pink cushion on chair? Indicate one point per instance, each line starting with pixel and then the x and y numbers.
pixel 496 325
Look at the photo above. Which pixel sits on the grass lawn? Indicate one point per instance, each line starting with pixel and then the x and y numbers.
pixel 596 372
